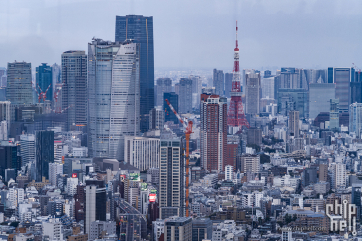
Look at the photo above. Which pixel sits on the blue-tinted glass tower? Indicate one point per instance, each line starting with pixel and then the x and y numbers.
pixel 19 90
pixel 8 158
pixel 342 77
pixel 44 78
pixel 173 98
pixel 44 153
pixel 140 29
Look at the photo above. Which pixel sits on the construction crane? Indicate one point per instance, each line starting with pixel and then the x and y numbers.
pixel 60 111
pixel 188 131
pixel 356 68
pixel 39 95
pixel 56 94
pixel 45 93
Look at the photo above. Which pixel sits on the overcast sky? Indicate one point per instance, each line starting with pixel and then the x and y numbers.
pixel 191 34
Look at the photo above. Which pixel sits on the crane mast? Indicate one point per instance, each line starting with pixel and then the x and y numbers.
pixel 188 131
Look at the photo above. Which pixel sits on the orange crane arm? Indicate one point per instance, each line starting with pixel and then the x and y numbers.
pixel 188 131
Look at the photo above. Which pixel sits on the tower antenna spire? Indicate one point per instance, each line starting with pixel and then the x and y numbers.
pixel 236 116
pixel 236 37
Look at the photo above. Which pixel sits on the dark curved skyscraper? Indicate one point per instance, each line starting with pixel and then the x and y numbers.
pixel 140 29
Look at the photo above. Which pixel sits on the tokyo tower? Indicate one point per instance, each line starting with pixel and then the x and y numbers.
pixel 236 116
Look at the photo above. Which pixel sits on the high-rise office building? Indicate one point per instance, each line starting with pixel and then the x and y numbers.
pixel 5 113
pixel 140 29
pixel 142 152
pixel 178 228
pixel 164 85
pixel 319 98
pixel 8 158
pixel 56 74
pixel 267 73
pixel 293 123
pixel 95 208
pixel 342 77
pixel 213 132
pixel 44 146
pixel 287 78
pixel 185 96
pixel 313 76
pixel 2 77
pixel 3 130
pixel 228 84
pixel 171 187
pixel 356 91
pixel 334 114
pixel 27 148
pixel 355 118
pixel 252 93
pixel 74 91
pixel 218 81
pixel 172 97
pixel 196 91
pixel 44 80
pixel 201 229
pixel 157 119
pixel 114 96
pixel 293 99
pixel 267 87
pixel 19 89
pixel 323 172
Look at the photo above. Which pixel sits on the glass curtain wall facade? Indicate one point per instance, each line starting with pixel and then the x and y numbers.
pixel 342 77
pixel 319 98
pixel 44 78
pixel 44 153
pixel 19 88
pixel 114 96
pixel 140 29
pixel 74 90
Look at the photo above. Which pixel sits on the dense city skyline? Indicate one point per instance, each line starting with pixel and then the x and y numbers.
pixel 273 34
pixel 166 121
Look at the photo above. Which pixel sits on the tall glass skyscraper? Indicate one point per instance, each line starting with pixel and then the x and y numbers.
pixel 44 78
pixel 140 29
pixel 342 77
pixel 19 88
pixel 74 90
pixel 44 146
pixel 114 96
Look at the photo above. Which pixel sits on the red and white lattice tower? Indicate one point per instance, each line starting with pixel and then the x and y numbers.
pixel 236 116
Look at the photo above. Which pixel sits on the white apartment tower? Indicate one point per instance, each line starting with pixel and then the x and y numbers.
pixel 72 186
pixel 114 96
pixel 171 188
pixel 54 229
pixel 250 163
pixel 142 152
pixel 229 172
pixel 339 175
pixel 27 148
pixel 54 170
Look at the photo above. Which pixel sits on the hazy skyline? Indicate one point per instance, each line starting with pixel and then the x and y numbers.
pixel 191 34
